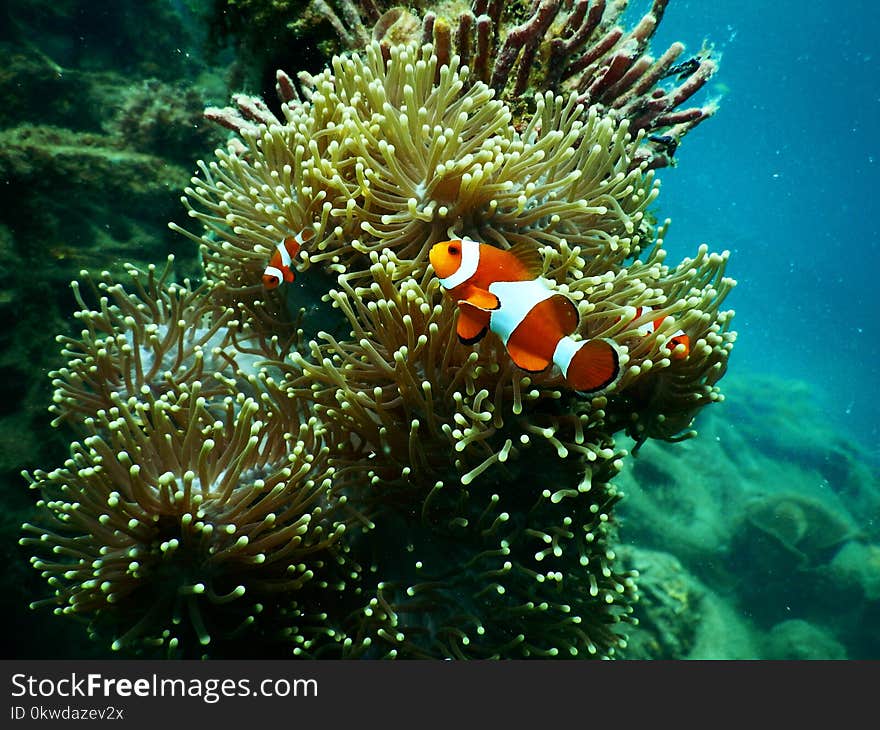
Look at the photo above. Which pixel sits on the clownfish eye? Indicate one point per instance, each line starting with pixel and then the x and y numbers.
pixel 453 249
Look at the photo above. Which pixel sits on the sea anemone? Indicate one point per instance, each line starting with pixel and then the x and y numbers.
pixel 172 526
pixel 382 157
pixel 147 341
pixel 372 482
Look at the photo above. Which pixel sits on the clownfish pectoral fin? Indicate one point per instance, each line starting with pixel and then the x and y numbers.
pixel 529 257
pixel 481 299
pixel 588 365
pixel 524 359
pixel 289 275
pixel 472 325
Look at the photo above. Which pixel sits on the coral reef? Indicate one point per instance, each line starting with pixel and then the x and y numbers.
pixel 856 569
pixel 797 639
pixel 169 506
pixel 354 480
pixel 805 529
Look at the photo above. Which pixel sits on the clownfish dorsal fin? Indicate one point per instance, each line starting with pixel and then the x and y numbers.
pixel 529 256
pixel 481 299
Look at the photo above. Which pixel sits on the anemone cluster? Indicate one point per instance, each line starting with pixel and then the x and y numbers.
pixel 380 489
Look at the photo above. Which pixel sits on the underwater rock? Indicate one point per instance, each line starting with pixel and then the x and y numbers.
pixel 28 78
pixel 780 553
pixel 165 120
pixel 856 569
pixel 671 479
pixel 802 531
pixel 796 434
pixel 724 631
pixel 797 639
pixel 669 609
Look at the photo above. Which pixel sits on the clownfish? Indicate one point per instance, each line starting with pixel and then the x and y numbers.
pixel 280 267
pixel 503 291
pixel 679 337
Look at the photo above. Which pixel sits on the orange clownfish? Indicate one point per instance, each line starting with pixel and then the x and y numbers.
pixel 503 291
pixel 280 268
pixel 679 337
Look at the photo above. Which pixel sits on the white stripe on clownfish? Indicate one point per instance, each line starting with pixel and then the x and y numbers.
pixel 565 351
pixel 272 271
pixel 517 299
pixel 280 268
pixel 282 250
pixel 470 260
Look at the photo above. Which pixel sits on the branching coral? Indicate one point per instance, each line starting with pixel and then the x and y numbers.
pixel 558 46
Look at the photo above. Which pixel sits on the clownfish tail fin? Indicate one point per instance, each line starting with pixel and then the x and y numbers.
pixel 588 365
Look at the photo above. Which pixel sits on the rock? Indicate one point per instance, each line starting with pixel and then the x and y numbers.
pixel 798 639
pixel 669 608
pixel 856 569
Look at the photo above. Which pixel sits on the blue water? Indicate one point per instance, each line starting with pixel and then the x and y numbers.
pixel 786 176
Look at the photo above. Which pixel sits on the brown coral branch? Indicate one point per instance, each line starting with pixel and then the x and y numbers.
pixel 229 118
pixel 651 113
pixel 463 35
pixel 524 38
pixel 442 38
pixel 611 73
pixel 593 54
pixel 371 10
pixel 324 9
pixel 428 27
pixel 285 87
pixel 652 76
pixel 254 109
pixel 577 30
pixel 483 46
pixel 246 118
